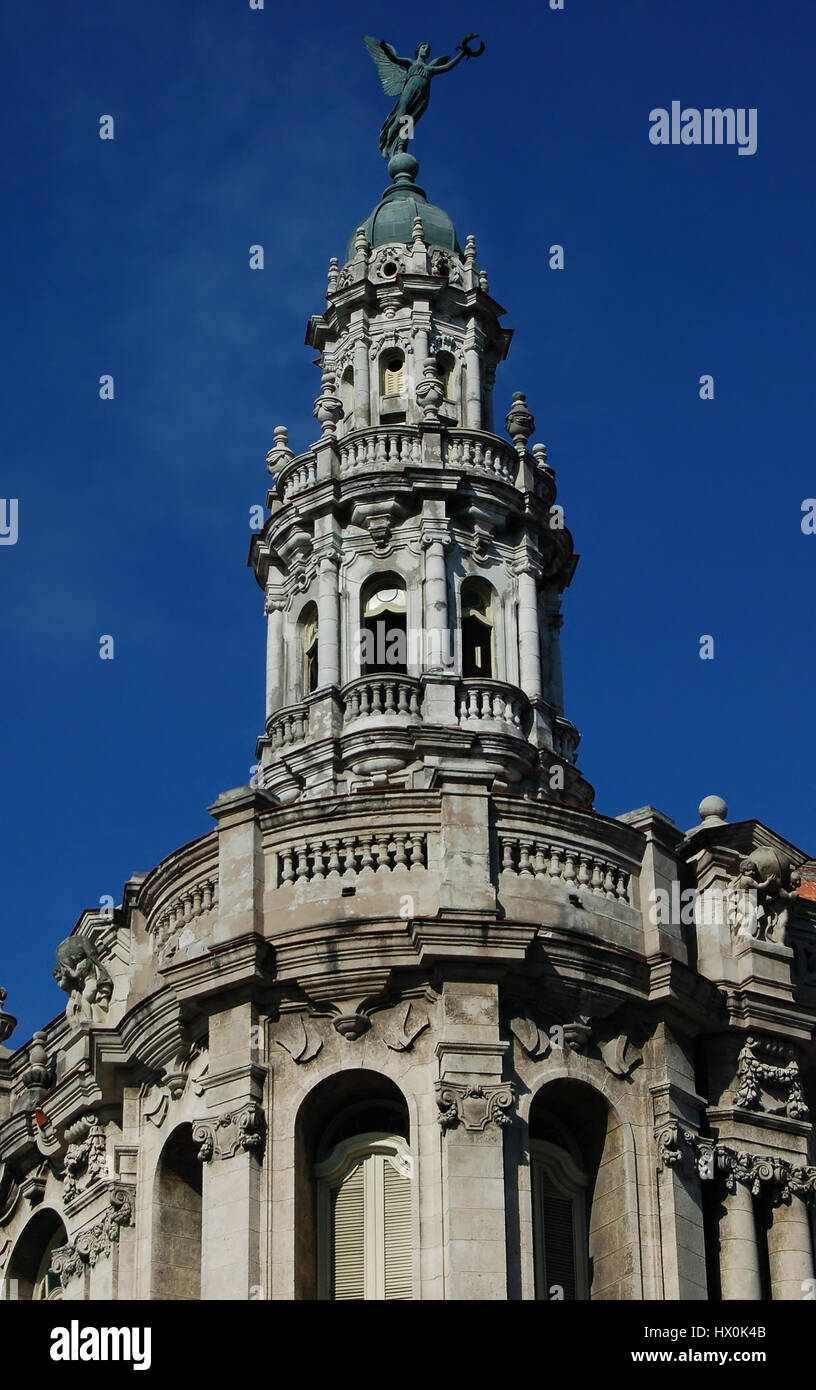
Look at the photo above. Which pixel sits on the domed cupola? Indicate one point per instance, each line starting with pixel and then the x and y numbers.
pixel 394 216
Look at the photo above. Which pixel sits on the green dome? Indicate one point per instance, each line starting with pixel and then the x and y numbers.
pixel 393 217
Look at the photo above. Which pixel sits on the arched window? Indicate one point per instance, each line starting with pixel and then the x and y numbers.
pixel 353 1190
pixel 177 1219
pixel 477 631
pixel 384 635
pixel 559 1191
pixel 347 393
pixel 29 1270
pixel 392 373
pixel 364 1232
pixel 308 630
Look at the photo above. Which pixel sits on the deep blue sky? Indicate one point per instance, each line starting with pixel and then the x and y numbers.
pixel 235 127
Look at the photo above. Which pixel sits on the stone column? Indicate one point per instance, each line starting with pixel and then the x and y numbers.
pixel 437 629
pixel 529 635
pixel 362 385
pixel 474 1106
pixel 739 1258
pixel 328 621
pixel 790 1251
pixel 231 1137
pixel 275 691
pixel 473 382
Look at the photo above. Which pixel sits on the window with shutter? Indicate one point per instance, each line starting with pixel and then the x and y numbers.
pixel 364 1220
pixel 348 1236
pixel 559 1224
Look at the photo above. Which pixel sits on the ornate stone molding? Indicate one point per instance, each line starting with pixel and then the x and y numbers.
pixel 238 1130
pixel 752 1072
pixel 86 1156
pixel 473 1107
pixel 692 1153
pixel 619 1053
pixel 92 1245
pixel 295 1037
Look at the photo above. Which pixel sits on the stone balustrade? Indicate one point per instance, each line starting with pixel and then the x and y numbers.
pixel 167 927
pixel 565 740
pixel 398 447
pixel 484 452
pixel 297 476
pixel 577 870
pixel 290 725
pixel 382 695
pixel 382 447
pixel 493 700
pixel 347 856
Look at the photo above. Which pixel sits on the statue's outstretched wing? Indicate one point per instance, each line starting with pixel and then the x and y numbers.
pixel 391 74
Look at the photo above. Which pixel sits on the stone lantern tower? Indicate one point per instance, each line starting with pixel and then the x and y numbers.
pixel 414 558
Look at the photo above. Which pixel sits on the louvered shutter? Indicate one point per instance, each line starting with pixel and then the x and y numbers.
pixel 397 1232
pixel 348 1236
pixel 557 1235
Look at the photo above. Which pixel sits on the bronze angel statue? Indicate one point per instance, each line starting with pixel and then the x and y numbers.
pixel 409 79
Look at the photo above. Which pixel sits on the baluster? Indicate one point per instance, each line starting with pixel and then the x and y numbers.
pixel 302 862
pixel 353 705
pixel 478 453
pixel 473 707
pixel 418 859
pixel 556 866
pixel 376 697
pixel 206 896
pixel 333 866
pixel 364 705
pixel 416 450
pixel 622 886
pixel 609 881
pixel 402 698
pixel 540 861
pixel 498 706
pixel 584 879
pixel 597 877
pixel 367 858
pixel 390 707
pixel 525 848
pixel 400 859
pixel 317 849
pixel 507 856
pixel 197 900
pixel 380 456
pixel 414 696
pixel 569 868
pixel 349 856
pixel 288 873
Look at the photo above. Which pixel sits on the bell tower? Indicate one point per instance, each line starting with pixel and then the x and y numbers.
pixel 414 558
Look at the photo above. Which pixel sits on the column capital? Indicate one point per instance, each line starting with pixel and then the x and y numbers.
pixel 473 1106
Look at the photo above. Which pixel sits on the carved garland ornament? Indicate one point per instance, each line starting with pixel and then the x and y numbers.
pixel 752 1072
pixel 86 1156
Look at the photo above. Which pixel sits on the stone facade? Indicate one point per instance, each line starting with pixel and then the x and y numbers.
pixel 411 950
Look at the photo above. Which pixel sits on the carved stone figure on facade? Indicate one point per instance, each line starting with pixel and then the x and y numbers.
pixel 409 79
pixel 760 895
pixel 89 987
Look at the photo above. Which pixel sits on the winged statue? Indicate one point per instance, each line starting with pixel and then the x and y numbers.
pixel 409 79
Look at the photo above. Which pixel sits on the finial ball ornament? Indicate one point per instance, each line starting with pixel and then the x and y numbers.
pixel 712 808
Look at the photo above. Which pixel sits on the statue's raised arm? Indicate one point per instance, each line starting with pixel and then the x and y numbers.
pixel 409 79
